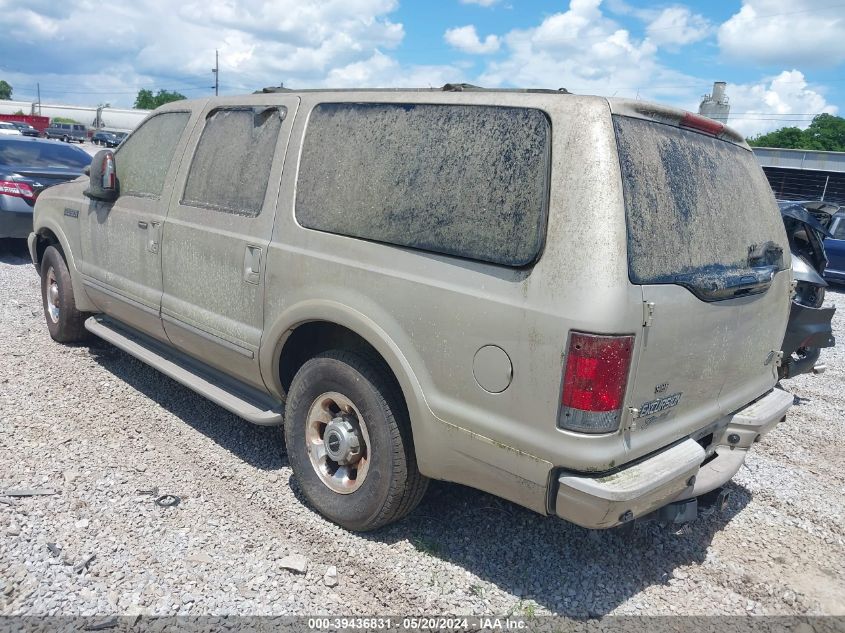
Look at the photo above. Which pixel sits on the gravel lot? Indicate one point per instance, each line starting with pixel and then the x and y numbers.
pixel 96 426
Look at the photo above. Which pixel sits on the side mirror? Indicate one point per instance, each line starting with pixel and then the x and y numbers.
pixel 103 177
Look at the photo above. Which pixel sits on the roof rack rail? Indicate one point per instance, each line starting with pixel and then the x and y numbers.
pixel 472 88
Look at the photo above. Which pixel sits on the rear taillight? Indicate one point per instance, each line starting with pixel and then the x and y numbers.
pixel 17 189
pixel 702 124
pixel 594 381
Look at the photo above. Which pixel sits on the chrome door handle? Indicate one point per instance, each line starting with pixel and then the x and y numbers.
pixel 142 224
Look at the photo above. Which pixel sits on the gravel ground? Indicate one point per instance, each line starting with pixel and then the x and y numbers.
pixel 96 426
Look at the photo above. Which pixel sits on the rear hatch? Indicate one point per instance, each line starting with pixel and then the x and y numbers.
pixel 707 246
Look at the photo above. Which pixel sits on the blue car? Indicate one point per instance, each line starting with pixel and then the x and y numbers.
pixel 835 248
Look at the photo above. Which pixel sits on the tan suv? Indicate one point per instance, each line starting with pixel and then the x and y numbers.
pixel 572 302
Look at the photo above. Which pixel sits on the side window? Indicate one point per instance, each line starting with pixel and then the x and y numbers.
pixel 232 161
pixel 469 181
pixel 143 159
pixel 839 231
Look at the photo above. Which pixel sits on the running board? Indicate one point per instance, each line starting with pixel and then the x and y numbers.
pixel 242 400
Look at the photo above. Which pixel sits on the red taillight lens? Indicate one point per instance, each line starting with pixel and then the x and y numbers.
pixel 17 189
pixel 702 124
pixel 594 382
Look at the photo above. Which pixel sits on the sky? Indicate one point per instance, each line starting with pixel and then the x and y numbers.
pixel 783 60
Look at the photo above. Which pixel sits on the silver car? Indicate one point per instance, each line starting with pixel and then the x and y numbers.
pixel 572 302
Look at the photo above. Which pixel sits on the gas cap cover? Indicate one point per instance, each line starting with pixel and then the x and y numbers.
pixel 492 369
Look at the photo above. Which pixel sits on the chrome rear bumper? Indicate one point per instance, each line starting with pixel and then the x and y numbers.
pixel 674 474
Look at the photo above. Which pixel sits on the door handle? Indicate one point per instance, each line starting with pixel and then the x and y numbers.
pixel 142 224
pixel 252 264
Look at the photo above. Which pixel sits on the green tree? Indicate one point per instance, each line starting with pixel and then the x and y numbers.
pixel 63 119
pixel 146 100
pixel 826 132
pixel 5 90
pixel 786 137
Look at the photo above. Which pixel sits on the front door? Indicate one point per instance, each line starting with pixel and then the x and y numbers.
pixel 121 241
pixel 216 235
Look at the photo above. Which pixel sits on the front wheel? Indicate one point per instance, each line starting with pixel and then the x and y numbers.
pixel 349 441
pixel 64 321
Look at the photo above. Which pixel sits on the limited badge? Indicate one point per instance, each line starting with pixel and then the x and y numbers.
pixel 71 213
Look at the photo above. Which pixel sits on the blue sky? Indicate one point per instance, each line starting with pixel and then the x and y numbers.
pixel 783 59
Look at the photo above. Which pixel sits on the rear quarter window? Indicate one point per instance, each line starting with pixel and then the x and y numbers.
pixel 469 181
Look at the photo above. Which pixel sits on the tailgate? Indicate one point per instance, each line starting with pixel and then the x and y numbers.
pixel 708 248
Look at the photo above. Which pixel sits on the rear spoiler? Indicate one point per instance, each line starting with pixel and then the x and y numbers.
pixel 676 117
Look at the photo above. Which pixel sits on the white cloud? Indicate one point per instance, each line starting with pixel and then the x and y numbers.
pixel 154 43
pixel 483 3
pixel 465 38
pixel 677 26
pixel 586 52
pixel 806 32
pixel 385 72
pixel 757 105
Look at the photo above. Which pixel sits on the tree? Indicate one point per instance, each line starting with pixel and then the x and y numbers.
pixel 786 137
pixel 5 91
pixel 146 100
pixel 63 119
pixel 826 132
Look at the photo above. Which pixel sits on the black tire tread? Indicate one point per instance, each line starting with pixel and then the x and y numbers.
pixel 402 499
pixel 71 326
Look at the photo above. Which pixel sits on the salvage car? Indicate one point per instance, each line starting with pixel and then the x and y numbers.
pixel 835 248
pixel 26 129
pixel 7 129
pixel 27 167
pixel 572 302
pixel 104 138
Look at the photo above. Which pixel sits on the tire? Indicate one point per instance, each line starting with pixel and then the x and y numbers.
pixel 64 321
pixel 64 139
pixel 391 485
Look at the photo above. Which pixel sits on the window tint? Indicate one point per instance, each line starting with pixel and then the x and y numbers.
pixel 232 162
pixel 143 159
pixel 839 231
pixel 469 181
pixel 38 154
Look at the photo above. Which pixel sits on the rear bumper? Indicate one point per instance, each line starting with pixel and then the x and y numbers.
pixel 15 224
pixel 674 474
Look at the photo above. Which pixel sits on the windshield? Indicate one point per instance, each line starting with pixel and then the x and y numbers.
pixel 698 209
pixel 33 153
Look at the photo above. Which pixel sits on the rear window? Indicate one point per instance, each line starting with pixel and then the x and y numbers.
pixel 470 181
pixel 31 153
pixel 697 208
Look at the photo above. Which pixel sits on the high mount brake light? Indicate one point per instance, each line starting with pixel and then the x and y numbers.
pixel 17 189
pixel 702 124
pixel 594 382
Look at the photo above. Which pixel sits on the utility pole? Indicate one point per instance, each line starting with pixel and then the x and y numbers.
pixel 216 71
pixel 38 86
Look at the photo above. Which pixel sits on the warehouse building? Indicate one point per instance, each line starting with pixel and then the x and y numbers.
pixel 798 174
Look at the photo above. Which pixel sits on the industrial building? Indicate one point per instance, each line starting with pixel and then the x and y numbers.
pixel 799 174
pixel 117 119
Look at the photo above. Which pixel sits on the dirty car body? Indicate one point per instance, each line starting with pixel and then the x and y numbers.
pixel 578 300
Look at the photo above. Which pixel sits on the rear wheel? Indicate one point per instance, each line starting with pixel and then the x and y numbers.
pixel 64 321
pixel 349 441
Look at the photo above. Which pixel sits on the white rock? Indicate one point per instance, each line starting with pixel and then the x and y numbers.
pixel 295 562
pixel 330 577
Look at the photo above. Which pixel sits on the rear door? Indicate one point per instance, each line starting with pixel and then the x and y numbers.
pixel 707 246
pixel 217 233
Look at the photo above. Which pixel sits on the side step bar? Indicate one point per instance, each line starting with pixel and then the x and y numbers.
pixel 241 400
